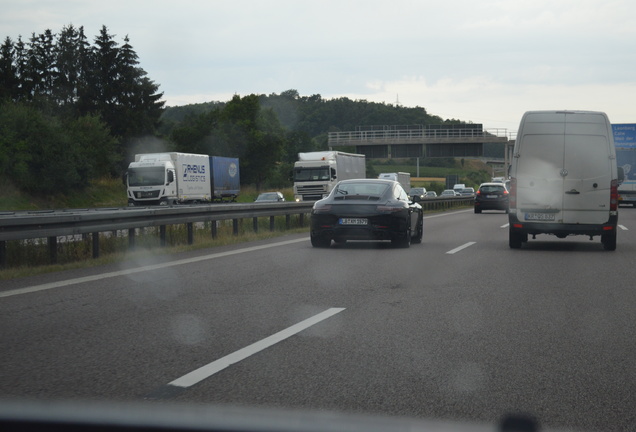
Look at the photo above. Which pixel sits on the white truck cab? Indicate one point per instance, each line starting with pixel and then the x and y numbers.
pixel 563 177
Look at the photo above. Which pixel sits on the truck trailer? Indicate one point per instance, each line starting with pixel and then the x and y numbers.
pixel 626 159
pixel 403 178
pixel 625 142
pixel 316 173
pixel 181 178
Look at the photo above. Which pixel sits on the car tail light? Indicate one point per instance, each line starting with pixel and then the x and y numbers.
pixel 322 208
pixel 513 193
pixel 614 195
pixel 478 192
pixel 389 209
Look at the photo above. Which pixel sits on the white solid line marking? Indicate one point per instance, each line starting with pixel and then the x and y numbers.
pixel 446 214
pixel 624 228
pixel 505 226
pixel 141 269
pixel 210 369
pixel 457 249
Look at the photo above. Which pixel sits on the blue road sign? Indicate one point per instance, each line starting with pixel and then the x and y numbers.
pixel 624 135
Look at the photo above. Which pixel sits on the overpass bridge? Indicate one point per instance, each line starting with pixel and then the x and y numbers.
pixel 386 142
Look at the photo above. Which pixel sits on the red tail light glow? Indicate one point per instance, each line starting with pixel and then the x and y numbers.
pixel 513 193
pixel 384 208
pixel 614 195
pixel 322 208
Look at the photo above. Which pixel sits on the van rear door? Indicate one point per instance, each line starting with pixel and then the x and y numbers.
pixel 540 159
pixel 587 172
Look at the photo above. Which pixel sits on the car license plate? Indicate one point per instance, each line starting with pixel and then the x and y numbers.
pixel 353 221
pixel 492 196
pixel 540 216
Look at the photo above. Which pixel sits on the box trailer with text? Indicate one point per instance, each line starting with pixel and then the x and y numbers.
pixel 180 178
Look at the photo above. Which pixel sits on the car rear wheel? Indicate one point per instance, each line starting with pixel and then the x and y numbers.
pixel 404 240
pixel 477 210
pixel 420 231
pixel 320 241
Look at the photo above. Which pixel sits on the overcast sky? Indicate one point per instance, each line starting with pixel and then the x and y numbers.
pixel 475 60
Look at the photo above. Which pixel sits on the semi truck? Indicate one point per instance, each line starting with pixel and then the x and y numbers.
pixel 181 178
pixel 403 178
pixel 625 142
pixel 626 159
pixel 316 173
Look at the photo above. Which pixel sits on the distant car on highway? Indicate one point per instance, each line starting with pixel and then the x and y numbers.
pixel 417 193
pixel 270 197
pixel 431 194
pixel 449 193
pixel 491 196
pixel 467 192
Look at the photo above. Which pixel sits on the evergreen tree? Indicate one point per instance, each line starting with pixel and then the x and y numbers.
pixel 41 65
pixel 71 51
pixel 9 82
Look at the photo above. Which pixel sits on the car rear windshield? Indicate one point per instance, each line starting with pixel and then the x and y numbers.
pixel 491 189
pixel 351 190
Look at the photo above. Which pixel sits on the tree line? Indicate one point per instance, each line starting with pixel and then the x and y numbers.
pixel 72 111
pixel 69 109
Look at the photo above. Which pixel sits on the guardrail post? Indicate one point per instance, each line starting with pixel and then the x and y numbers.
pixel 271 223
pixel 3 254
pixel 95 245
pixel 52 241
pixel 287 221
pixel 235 227
pixel 255 224
pixel 214 229
pixel 131 238
pixel 190 226
pixel 162 235
pixel 302 219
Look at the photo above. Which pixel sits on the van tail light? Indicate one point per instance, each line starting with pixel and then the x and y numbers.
pixel 512 200
pixel 614 195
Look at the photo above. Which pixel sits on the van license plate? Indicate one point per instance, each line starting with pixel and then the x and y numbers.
pixel 353 221
pixel 540 216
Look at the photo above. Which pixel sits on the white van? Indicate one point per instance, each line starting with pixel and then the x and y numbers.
pixel 563 177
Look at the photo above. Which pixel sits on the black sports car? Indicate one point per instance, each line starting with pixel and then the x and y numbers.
pixel 366 209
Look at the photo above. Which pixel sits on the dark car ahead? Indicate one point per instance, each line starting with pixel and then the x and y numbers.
pixel 491 196
pixel 270 197
pixel 366 209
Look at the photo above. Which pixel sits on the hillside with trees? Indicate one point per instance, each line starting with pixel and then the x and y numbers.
pixel 74 111
pixel 70 110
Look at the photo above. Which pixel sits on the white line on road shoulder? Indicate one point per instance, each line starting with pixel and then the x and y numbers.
pixel 210 369
pixel 446 214
pixel 68 282
pixel 505 225
pixel 623 227
pixel 457 249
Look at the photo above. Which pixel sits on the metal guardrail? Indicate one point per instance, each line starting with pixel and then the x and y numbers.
pixel 391 135
pixel 51 224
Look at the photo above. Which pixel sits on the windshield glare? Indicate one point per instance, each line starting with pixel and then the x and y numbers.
pixel 366 189
pixel 146 176
pixel 311 174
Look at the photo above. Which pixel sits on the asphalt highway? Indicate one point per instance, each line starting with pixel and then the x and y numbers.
pixel 459 327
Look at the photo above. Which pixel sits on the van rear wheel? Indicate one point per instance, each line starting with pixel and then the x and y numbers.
pixel 515 239
pixel 609 240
